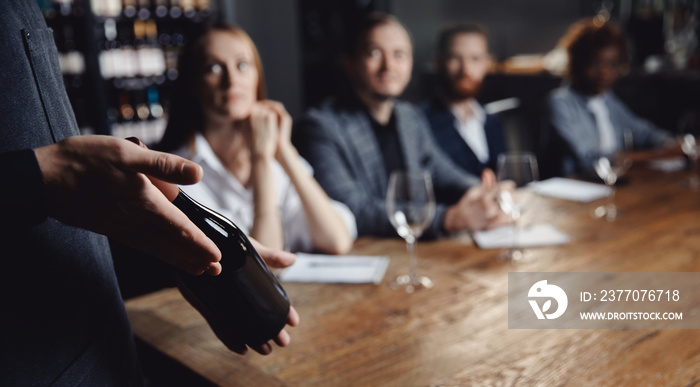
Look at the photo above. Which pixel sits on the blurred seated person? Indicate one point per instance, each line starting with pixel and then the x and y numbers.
pixel 357 139
pixel 252 173
pixel 472 138
pixel 586 115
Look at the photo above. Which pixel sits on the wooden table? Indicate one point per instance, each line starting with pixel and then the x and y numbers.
pixel 457 333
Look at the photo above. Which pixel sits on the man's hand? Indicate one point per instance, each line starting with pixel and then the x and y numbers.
pixel 272 257
pixel 275 259
pixel 123 190
pixel 478 208
pixel 101 183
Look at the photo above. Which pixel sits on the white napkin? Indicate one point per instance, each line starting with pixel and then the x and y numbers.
pixel 536 235
pixel 336 269
pixel 668 165
pixel 569 189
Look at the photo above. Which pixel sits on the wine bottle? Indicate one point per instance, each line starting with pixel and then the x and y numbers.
pixel 245 304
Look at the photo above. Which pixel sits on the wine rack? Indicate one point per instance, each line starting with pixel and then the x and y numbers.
pixel 119 59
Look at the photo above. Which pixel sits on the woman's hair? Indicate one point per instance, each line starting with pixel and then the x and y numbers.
pixel 185 113
pixel 585 39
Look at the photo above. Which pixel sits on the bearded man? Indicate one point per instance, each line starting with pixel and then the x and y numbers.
pixel 472 138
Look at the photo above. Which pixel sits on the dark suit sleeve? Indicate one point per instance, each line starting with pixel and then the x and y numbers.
pixel 23 199
pixel 318 141
pixel 496 139
pixel 449 180
pixel 561 118
pixel 645 134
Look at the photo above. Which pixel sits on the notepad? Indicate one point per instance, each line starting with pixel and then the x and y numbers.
pixel 569 189
pixel 336 269
pixel 536 235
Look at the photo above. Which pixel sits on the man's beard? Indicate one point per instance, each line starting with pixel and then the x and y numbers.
pixel 456 92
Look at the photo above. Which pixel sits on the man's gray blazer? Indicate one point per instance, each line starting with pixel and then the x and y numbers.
pixel 338 140
pixel 576 125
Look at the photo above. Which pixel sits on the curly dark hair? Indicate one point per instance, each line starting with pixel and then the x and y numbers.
pixel 585 39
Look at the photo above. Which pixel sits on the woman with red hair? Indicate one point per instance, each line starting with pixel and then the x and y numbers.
pixel 252 172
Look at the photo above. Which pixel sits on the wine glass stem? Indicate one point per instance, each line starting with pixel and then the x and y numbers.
pixel 516 233
pixel 694 173
pixel 610 207
pixel 412 259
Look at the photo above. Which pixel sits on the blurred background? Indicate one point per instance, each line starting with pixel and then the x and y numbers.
pixel 119 63
pixel 119 57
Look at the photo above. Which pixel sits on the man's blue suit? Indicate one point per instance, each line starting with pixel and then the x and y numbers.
pixel 443 124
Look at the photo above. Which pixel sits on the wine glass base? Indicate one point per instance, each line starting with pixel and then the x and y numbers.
pixel 692 183
pixel 411 282
pixel 608 213
pixel 514 255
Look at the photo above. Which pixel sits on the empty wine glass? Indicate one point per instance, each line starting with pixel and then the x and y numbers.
pixel 610 169
pixel 689 139
pixel 521 169
pixel 410 205
pixel 691 147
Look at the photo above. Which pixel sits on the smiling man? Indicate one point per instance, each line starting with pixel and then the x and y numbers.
pixel 471 137
pixel 356 140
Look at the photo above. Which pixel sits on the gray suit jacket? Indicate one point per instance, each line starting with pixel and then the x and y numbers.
pixel 62 322
pixel 576 125
pixel 338 140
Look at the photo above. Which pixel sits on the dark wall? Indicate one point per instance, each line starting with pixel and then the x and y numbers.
pixel 297 39
pixel 274 27
pixel 515 26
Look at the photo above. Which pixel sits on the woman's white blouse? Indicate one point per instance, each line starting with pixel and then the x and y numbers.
pixel 222 192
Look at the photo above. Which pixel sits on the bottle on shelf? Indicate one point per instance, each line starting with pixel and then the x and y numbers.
pixel 106 8
pixel 144 11
pixel 175 10
pixel 160 8
pixel 154 105
pixel 130 9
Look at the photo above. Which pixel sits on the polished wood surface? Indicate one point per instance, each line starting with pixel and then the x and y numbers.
pixel 456 334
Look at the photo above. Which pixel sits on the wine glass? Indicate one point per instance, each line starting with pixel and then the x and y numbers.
pixel 610 169
pixel 410 205
pixel 689 139
pixel 521 169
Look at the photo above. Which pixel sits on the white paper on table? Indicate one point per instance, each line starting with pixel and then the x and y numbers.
pixel 668 165
pixel 569 189
pixel 336 269
pixel 536 235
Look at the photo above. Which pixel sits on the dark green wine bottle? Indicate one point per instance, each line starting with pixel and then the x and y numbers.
pixel 245 304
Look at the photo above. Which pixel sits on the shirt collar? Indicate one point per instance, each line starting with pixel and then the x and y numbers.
pixel 204 155
pixel 597 101
pixel 479 113
pixel 604 96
